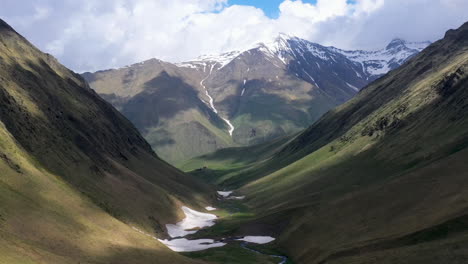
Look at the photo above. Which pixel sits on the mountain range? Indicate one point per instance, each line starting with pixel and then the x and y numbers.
pixel 243 97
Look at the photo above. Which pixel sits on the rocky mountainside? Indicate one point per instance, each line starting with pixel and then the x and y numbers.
pixel 76 176
pixel 379 179
pixel 241 97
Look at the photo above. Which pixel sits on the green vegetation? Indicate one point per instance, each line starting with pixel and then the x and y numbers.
pixel 218 167
pixel 380 179
pixel 232 254
pixel 76 176
pixel 169 104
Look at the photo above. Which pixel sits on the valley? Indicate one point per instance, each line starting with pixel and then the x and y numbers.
pixel 363 184
pixel 285 151
pixel 247 248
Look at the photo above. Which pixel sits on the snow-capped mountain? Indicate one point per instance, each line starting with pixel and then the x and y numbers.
pixel 376 63
pixel 220 60
pixel 287 48
pixel 242 97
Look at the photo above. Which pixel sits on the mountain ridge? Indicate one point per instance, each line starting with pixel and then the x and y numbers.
pixel 77 176
pixel 280 44
pixel 268 91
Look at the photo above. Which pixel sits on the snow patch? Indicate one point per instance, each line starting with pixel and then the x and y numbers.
pixel 353 87
pixel 257 239
pixel 224 193
pixel 357 74
pixel 313 80
pixel 227 195
pixel 185 245
pixel 221 59
pixel 210 208
pixel 379 62
pixel 231 127
pixel 193 219
pixel 236 197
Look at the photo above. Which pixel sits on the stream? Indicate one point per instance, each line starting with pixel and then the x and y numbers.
pixel 284 259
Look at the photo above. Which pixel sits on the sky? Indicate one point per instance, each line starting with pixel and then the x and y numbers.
pixel 91 35
pixel 269 7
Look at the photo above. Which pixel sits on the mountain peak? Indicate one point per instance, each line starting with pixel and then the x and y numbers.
pixel 396 42
pixel 277 44
pixel 283 36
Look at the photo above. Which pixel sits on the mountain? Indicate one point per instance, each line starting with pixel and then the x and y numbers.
pixel 378 63
pixel 241 97
pixel 76 176
pixel 164 104
pixel 379 179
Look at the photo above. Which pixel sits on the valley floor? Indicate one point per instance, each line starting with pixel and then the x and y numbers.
pixel 219 238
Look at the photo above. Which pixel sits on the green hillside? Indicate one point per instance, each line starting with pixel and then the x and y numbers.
pixel 380 179
pixel 164 105
pixel 76 176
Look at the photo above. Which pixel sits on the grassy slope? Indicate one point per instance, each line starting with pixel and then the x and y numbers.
pixel 264 115
pixel 224 166
pixel 381 178
pixel 169 106
pixel 45 220
pixel 163 102
pixel 76 175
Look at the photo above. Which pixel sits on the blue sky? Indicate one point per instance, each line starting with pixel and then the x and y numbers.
pixel 270 7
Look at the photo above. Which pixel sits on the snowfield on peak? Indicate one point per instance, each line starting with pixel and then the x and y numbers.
pixel 381 61
pixel 284 47
pixel 218 60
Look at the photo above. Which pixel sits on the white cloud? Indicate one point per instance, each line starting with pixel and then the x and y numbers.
pixel 323 10
pixel 41 13
pixel 99 34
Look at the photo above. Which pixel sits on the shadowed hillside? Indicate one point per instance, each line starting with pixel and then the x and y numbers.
pixel 76 176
